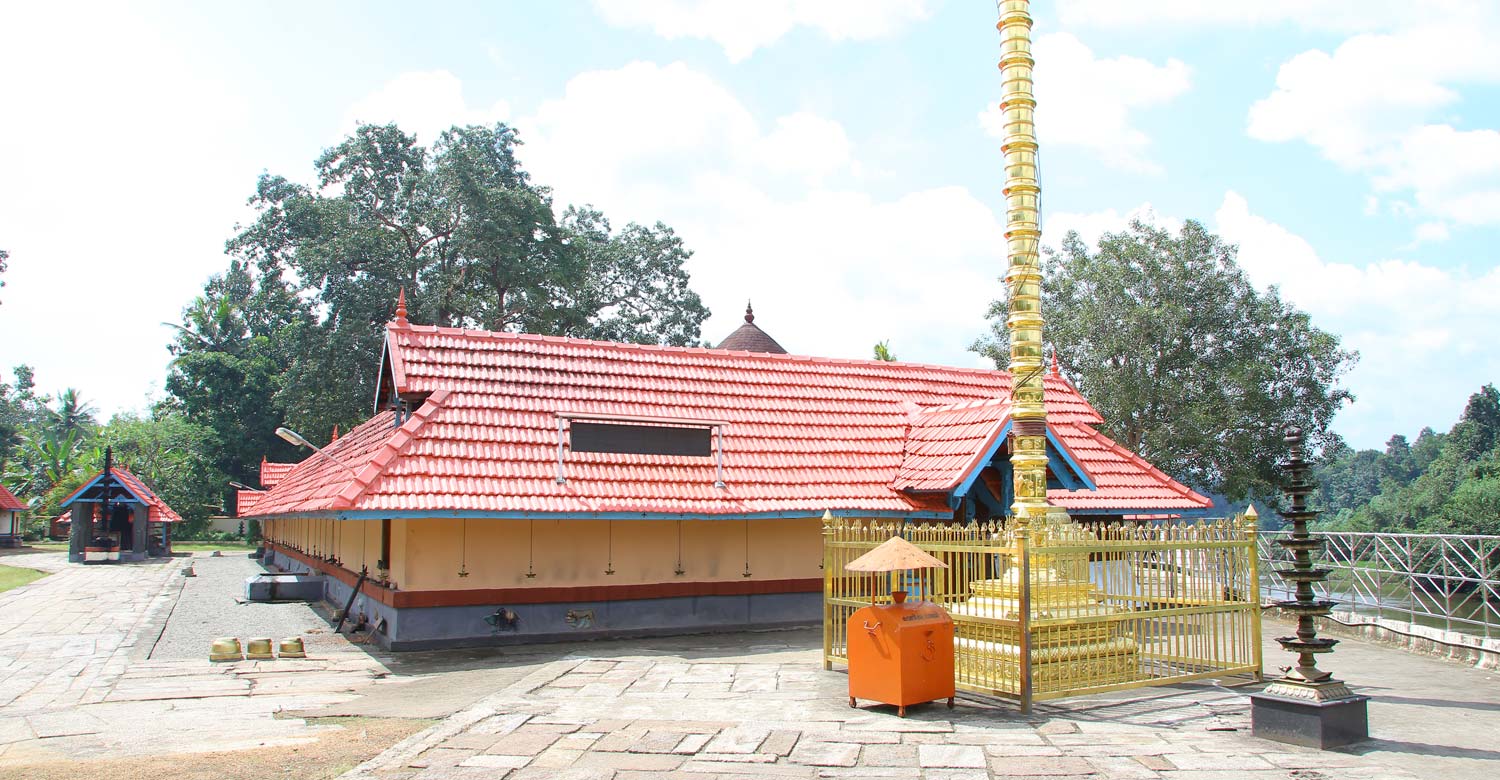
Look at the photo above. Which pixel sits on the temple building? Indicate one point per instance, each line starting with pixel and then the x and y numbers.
pixel 11 533
pixel 514 487
pixel 116 517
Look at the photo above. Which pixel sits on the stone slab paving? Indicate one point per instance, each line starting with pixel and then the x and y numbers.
pixel 617 719
pixel 77 680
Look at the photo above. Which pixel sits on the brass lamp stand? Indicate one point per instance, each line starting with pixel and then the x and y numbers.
pixel 1306 706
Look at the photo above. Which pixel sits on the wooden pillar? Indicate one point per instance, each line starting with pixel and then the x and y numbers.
pixel 80 530
pixel 139 527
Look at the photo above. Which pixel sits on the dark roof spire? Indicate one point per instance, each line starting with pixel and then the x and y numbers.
pixel 750 338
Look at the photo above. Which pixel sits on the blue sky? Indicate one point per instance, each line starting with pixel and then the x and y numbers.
pixel 828 158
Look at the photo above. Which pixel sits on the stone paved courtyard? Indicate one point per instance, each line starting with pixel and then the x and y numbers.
pixel 644 718
pixel 78 680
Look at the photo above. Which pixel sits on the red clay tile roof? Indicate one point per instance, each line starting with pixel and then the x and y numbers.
pixel 9 502
pixel 272 473
pixel 946 443
pixel 803 434
pixel 245 501
pixel 157 510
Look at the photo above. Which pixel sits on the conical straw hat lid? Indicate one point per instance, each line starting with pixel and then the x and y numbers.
pixel 894 554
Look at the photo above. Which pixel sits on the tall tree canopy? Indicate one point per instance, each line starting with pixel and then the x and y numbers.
pixel 1188 363
pixel 235 343
pixel 1444 483
pixel 291 333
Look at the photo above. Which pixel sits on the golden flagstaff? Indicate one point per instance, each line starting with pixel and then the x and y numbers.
pixel 1024 276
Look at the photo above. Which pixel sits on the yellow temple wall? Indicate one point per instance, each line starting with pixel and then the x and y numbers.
pixel 578 552
pixel 428 553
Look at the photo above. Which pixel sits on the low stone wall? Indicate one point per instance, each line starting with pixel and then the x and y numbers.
pixel 1465 648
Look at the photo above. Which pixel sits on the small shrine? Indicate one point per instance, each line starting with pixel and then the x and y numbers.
pixel 10 519
pixel 115 517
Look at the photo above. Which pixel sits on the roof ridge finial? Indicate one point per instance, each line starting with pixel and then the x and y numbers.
pixel 1056 370
pixel 749 313
pixel 335 433
pixel 401 309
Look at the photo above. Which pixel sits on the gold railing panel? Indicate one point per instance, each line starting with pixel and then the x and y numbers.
pixel 1067 609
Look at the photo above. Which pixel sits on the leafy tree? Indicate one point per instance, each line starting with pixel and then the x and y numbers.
pixel 883 351
pixel 1454 482
pixel 72 414
pixel 45 458
pixel 170 454
pixel 230 352
pixel 1188 363
pixel 461 228
pixel 1347 480
pixel 19 409
pixel 4 259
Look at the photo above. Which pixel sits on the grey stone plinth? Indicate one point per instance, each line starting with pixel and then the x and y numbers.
pixel 284 587
pixel 1321 725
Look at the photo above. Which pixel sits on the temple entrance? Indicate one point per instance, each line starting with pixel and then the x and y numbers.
pixel 115 517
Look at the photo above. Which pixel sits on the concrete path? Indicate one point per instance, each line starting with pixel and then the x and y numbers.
pixel 76 680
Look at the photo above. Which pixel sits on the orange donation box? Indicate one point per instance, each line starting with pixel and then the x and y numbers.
pixel 901 653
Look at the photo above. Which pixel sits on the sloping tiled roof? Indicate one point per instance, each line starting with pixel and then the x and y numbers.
pixel 245 501
pixel 272 473
pixel 1124 479
pixel 802 434
pixel 947 442
pixel 9 502
pixel 157 510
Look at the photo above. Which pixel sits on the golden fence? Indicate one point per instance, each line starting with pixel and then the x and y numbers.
pixel 1066 609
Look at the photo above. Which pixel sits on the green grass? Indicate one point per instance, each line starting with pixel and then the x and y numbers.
pixel 15 577
pixel 176 546
pixel 211 546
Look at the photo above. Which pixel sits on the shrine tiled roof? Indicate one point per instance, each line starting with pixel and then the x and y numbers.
pixel 157 510
pixel 9 502
pixel 800 435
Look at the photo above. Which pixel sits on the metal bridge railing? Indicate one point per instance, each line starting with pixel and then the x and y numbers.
pixel 1446 581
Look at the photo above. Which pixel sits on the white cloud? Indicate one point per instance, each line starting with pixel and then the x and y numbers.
pixel 741 27
pixel 1370 107
pixel 126 168
pixel 1086 101
pixel 1452 173
pixel 1423 332
pixel 831 270
pixel 1090 226
pixel 1322 15
pixel 1431 231
pixel 424 103
pixel 1380 104
pixel 807 145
